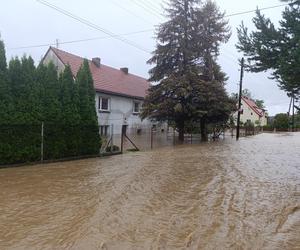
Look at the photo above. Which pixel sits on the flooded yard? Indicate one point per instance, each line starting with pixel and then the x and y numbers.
pixel 220 195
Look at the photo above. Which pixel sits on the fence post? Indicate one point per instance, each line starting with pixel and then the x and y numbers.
pixel 151 135
pixel 112 138
pixel 174 136
pixel 122 136
pixel 42 142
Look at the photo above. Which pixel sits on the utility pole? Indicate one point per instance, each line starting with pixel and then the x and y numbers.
pixel 293 128
pixel 240 100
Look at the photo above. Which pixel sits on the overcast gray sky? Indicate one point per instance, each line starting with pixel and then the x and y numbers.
pixel 27 22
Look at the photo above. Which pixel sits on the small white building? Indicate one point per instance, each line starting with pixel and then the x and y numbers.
pixel 252 113
pixel 119 94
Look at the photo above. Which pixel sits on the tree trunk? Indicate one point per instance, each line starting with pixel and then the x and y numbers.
pixel 203 130
pixel 180 127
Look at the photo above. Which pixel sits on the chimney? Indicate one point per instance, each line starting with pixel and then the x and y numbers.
pixel 125 70
pixel 97 61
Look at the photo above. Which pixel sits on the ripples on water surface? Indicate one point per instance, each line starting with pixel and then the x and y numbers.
pixel 222 195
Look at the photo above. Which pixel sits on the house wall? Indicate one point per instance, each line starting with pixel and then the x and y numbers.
pixel 51 57
pixel 249 114
pixel 120 113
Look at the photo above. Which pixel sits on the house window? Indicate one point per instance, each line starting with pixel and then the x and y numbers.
pixel 136 107
pixel 104 104
pixel 251 113
pixel 104 130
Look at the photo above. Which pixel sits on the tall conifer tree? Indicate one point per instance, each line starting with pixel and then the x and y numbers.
pixel 86 90
pixel 90 139
pixel 185 62
pixel 6 104
pixel 47 78
pixel 68 98
pixel 25 91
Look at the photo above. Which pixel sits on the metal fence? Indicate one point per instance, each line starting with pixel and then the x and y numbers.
pixel 45 141
pixel 32 143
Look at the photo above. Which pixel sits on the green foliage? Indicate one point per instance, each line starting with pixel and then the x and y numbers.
pixel 275 48
pixel 31 95
pixel 19 143
pixel 260 103
pixel 6 105
pixel 47 78
pixel 87 93
pixel 268 127
pixel 68 98
pixel 25 91
pixel 87 111
pixel 281 121
pixel 191 83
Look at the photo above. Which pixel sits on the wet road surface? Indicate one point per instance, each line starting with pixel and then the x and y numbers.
pixel 221 195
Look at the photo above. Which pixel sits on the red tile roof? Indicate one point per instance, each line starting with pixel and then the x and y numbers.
pixel 107 79
pixel 253 106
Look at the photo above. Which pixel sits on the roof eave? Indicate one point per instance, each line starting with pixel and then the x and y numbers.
pixel 119 94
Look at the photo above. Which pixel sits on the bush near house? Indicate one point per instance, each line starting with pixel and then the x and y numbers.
pixel 281 122
pixel 268 128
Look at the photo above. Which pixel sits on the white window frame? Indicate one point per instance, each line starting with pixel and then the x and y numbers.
pixel 133 108
pixel 100 104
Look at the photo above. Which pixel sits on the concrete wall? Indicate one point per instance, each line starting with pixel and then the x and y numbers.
pixel 249 114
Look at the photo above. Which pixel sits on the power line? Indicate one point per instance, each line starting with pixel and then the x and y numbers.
pixel 92 25
pixel 151 6
pixel 78 41
pixel 129 11
pixel 143 6
pixel 251 11
pixel 117 36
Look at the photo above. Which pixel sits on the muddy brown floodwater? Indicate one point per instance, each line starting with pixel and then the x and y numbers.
pixel 221 195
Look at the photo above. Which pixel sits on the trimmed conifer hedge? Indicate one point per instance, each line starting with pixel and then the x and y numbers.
pixel 22 143
pixel 19 143
pixel 33 95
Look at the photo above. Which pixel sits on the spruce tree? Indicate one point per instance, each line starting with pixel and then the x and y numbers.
pixel 185 61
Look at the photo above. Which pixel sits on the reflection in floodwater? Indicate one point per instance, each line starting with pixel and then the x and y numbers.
pixel 222 195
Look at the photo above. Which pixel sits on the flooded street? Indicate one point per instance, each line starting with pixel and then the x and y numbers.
pixel 221 195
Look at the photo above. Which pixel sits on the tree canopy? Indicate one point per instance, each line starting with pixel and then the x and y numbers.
pixel 190 82
pixel 275 49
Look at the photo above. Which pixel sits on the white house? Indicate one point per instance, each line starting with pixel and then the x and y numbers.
pixel 119 94
pixel 252 113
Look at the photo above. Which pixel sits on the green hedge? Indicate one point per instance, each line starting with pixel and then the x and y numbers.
pixel 22 143
pixel 19 143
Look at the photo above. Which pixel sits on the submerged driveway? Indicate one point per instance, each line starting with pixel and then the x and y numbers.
pixel 220 195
